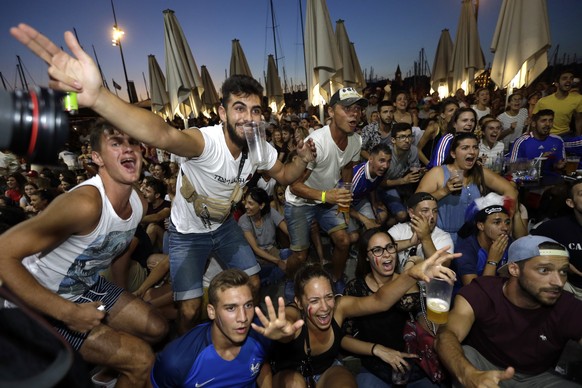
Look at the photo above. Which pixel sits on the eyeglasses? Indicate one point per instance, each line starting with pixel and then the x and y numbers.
pixel 404 137
pixel 352 108
pixel 379 251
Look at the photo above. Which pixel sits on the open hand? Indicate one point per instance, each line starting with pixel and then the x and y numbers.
pixel 275 326
pixel 69 74
pixel 306 150
pixel 433 268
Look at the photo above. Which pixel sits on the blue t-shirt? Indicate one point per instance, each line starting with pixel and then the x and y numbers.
pixel 473 260
pixel 192 361
pixel 529 147
pixel 362 185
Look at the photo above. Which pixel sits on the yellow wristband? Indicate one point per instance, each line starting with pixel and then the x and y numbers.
pixel 323 197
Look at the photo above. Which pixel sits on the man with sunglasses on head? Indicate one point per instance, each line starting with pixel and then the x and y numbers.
pixel 315 196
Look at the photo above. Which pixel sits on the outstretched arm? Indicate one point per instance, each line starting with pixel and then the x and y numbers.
pixel 80 74
pixel 448 346
pixel 276 326
pixel 389 294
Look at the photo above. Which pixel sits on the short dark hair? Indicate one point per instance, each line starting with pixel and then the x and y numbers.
pixel 418 197
pixel 543 112
pixel 385 103
pixel 230 278
pixel 100 127
pixel 240 84
pixel 158 185
pixel 381 147
pixel 565 70
pixel 400 127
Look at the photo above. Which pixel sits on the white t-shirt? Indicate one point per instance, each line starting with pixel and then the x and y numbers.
pixel 325 170
pixel 403 231
pixel 212 174
pixel 481 113
pixel 507 120
pixel 268 186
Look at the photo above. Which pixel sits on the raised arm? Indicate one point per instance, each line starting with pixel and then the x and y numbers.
pixel 389 294
pixel 290 172
pixel 80 74
pixel 448 346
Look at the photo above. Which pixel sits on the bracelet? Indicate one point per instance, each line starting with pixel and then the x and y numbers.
pixel 323 197
pixel 492 263
pixel 372 350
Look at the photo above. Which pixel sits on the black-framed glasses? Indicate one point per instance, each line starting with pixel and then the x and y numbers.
pixel 379 251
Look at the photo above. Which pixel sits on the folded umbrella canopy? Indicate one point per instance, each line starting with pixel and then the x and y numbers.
pixel 441 75
pixel 273 86
pixel 468 60
pixel 160 103
pixel 351 73
pixel 183 80
pixel 322 56
pixel 210 100
pixel 238 60
pixel 520 43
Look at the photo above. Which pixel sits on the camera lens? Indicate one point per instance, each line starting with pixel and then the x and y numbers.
pixel 33 123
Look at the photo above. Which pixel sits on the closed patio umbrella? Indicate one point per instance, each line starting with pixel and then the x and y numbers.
pixel 183 80
pixel 468 60
pixel 520 43
pixel 238 60
pixel 160 103
pixel 322 57
pixel 210 99
pixel 441 79
pixel 273 86
pixel 351 73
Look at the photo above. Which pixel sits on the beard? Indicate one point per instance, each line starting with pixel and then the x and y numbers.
pixel 535 294
pixel 234 136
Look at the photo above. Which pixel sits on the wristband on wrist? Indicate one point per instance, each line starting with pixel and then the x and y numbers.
pixel 372 350
pixel 492 263
pixel 323 197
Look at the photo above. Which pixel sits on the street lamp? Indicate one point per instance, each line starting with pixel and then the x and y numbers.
pixel 116 41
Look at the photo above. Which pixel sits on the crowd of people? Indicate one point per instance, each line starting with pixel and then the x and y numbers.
pixel 171 257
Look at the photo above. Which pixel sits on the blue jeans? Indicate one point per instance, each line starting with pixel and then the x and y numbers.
pixel 271 273
pixel 189 255
pixel 367 379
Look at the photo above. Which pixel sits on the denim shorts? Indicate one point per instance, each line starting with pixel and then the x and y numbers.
pixel 189 255
pixel 363 207
pixel 299 219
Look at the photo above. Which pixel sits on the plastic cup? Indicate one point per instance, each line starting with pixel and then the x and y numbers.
pixel 346 186
pixel 459 174
pixel 400 378
pixel 257 142
pixel 438 300
pixel 572 164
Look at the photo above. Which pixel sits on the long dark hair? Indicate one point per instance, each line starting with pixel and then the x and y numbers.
pixel 450 128
pixel 475 174
pixel 363 266
pixel 305 274
pixel 261 197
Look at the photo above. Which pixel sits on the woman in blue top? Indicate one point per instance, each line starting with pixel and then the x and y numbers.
pixel 461 180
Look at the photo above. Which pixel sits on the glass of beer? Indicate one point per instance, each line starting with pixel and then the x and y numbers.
pixel 438 300
pixel 345 186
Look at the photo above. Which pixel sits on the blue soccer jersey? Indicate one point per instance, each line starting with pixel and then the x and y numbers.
pixel 192 361
pixel 362 183
pixel 528 147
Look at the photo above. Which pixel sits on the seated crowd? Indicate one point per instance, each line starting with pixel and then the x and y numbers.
pixel 187 289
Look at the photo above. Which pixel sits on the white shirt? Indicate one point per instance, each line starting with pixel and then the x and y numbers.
pixel 325 170
pixel 213 174
pixel 403 231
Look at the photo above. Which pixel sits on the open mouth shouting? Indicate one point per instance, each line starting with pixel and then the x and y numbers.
pixel 129 164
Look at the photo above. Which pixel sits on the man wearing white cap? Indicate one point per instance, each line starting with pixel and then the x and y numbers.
pixel 513 330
